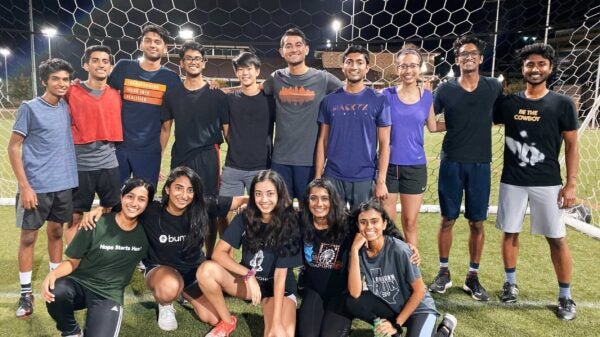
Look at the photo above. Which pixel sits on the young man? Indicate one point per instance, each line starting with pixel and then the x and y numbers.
pixel 42 157
pixel 354 120
pixel 536 121
pixel 96 125
pixel 142 85
pixel 250 133
pixel 298 91
pixel 467 103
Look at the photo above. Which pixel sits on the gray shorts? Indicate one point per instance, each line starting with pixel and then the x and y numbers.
pixel 545 215
pixel 52 206
pixel 353 192
pixel 233 181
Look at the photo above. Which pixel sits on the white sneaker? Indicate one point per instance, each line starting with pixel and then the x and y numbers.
pixel 166 317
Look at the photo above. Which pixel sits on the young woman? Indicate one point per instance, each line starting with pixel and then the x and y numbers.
pixel 386 290
pixel 326 240
pixel 176 228
pixel 99 267
pixel 267 231
pixel 407 172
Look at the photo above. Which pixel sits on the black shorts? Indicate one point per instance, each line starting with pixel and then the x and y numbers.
pixel 52 206
pixel 105 182
pixel 207 164
pixel 190 283
pixel 406 179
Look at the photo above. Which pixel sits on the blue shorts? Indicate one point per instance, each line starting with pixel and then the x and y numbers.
pixel 296 178
pixel 474 179
pixel 138 164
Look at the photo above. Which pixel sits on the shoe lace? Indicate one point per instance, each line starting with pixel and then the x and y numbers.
pixel 167 311
pixel 25 300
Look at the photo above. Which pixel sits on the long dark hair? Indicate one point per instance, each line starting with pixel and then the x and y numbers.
pixel 282 231
pixel 374 204
pixel 132 183
pixel 195 213
pixel 337 220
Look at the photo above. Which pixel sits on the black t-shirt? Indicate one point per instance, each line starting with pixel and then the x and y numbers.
pixel 533 137
pixel 468 117
pixel 264 261
pixel 251 121
pixel 199 116
pixel 167 233
pixel 325 264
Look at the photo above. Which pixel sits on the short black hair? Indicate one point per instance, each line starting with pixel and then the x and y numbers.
pixel 89 50
pixel 52 66
pixel 466 39
pixel 544 50
pixel 163 33
pixel 191 45
pixel 293 32
pixel 356 49
pixel 246 59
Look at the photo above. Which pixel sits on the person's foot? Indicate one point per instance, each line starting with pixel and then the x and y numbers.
pixel 25 306
pixel 447 326
pixel 441 282
pixel 473 287
pixel 223 329
pixel 166 317
pixel 566 308
pixel 510 292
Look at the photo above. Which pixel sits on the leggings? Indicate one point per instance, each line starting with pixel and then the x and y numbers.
pixel 322 317
pixel 368 307
pixel 103 317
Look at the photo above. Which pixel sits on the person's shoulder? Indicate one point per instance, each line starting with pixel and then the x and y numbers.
pixel 559 97
pixel 389 90
pixel 492 82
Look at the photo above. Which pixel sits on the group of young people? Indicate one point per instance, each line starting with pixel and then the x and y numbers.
pixel 345 151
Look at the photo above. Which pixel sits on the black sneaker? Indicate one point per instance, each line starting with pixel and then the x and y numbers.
pixel 473 287
pixel 441 282
pixel 509 293
pixel 447 326
pixel 566 308
pixel 25 306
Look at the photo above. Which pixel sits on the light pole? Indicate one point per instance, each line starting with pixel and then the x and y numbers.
pixel 49 32
pixel 5 52
pixel 186 34
pixel 336 25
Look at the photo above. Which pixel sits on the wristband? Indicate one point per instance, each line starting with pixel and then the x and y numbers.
pixel 248 275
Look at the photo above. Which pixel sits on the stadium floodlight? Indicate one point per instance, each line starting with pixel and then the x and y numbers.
pixel 186 34
pixel 336 25
pixel 50 33
pixel 328 44
pixel 500 78
pixel 450 73
pixel 5 52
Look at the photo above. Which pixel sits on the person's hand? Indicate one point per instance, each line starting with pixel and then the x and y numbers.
pixel 381 191
pixel 48 288
pixel 277 330
pixel 254 290
pixel 89 219
pixel 385 328
pixel 28 198
pixel 359 241
pixel 161 176
pixel 415 258
pixel 566 196
pixel 212 84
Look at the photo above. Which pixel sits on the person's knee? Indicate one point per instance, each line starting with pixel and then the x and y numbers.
pixel 28 238
pixel 447 224
pixel 476 227
pixel 207 272
pixel 557 243
pixel 62 291
pixel 167 290
pixel 55 233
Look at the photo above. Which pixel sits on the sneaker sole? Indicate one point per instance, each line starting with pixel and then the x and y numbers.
pixel 446 287
pixel 163 328
pixel 24 317
pixel 509 301
pixel 470 292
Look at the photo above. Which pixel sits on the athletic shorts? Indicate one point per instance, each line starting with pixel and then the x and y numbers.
pixel 296 178
pixel 105 182
pixel 545 215
pixel 472 178
pixel 207 164
pixel 353 192
pixel 233 181
pixel 52 206
pixel 138 164
pixel 190 283
pixel 406 179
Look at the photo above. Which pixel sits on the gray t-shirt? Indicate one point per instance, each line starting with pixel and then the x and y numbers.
pixel 48 153
pixel 96 155
pixel 297 100
pixel 390 274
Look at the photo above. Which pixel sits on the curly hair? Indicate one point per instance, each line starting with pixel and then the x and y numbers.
pixel 374 204
pixel 466 39
pixel 282 231
pixel 337 218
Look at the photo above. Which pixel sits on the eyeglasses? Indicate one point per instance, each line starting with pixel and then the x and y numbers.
pixel 412 66
pixel 193 59
pixel 465 54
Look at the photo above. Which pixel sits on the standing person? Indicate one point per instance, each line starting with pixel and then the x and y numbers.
pixel 100 264
pixel 467 103
pixel 386 290
pixel 250 133
pixel 298 91
pixel 96 125
pixel 354 122
pixel 143 85
pixel 42 158
pixel 536 121
pixel 267 231
pixel 411 108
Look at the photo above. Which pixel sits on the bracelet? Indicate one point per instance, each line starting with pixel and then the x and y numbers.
pixel 248 275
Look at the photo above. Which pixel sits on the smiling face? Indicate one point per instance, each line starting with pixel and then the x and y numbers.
pixel 193 63
pixel 536 69
pixel 247 75
pixel 99 66
pixel 409 68
pixel 58 83
pixel 181 195
pixel 469 58
pixel 371 225
pixel 318 202
pixel 265 197
pixel 153 46
pixel 294 50
pixel 355 67
pixel 134 202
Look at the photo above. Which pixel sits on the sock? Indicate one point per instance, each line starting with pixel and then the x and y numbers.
pixel 473 269
pixel 25 279
pixel 444 264
pixel 53 265
pixel 564 290
pixel 511 275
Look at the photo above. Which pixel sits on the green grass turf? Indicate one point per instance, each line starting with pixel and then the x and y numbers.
pixel 532 316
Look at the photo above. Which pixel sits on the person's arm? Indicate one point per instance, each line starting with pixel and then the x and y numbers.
pixel 433 125
pixel 321 150
pixel 277 328
pixel 567 195
pixel 354 281
pixel 417 295
pixel 64 269
pixel 238 201
pixel 383 138
pixel 225 129
pixel 27 196
pixel 222 255
pixel 165 133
